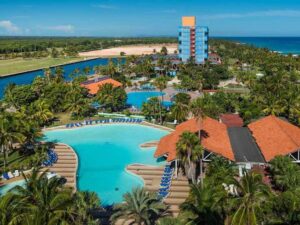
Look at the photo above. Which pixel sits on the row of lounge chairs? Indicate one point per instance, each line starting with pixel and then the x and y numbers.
pixel 165 182
pixel 115 120
pixel 52 158
pixel 9 175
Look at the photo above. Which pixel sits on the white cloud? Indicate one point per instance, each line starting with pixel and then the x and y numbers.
pixel 8 26
pixel 268 13
pixel 62 28
pixel 104 6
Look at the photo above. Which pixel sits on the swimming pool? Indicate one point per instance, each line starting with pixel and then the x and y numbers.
pixel 137 98
pixel 104 151
pixel 4 189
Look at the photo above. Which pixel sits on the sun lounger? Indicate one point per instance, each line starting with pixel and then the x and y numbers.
pixel 10 175
pixel 16 173
pixel 5 176
pixel 67 125
pixel 165 184
pixel 50 175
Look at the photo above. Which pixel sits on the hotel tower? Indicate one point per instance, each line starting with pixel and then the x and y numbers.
pixel 193 40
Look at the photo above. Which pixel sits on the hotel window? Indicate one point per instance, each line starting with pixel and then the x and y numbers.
pixel 180 33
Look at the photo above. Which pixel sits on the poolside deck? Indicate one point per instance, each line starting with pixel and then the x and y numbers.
pixel 66 165
pixel 151 175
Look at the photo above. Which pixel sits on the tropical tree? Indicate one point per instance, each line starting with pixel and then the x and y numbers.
pixel 151 108
pixel 164 50
pixel 111 98
pixel 285 174
pixel 180 111
pixel 76 104
pixel 45 200
pixel 140 207
pixel 8 136
pixel 252 193
pixel 40 112
pixel 203 206
pixel 83 204
pixel 220 171
pixel 10 208
pixel 196 109
pixel 189 151
pixel 161 83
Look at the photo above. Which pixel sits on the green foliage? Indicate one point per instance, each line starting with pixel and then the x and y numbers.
pixel 220 171
pixel 151 108
pixel 189 152
pixel 202 206
pixel 141 207
pixel 46 201
pixel 11 47
pixel 182 98
pixel 285 173
pixel 112 99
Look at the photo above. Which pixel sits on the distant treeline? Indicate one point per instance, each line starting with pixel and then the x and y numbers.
pixel 11 47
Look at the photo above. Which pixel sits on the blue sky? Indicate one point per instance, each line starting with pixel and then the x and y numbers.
pixel 148 17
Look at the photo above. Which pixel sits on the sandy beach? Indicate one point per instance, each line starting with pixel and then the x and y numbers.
pixel 129 50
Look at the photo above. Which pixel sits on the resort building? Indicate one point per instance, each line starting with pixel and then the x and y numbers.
pixel 93 85
pixel 193 40
pixel 248 146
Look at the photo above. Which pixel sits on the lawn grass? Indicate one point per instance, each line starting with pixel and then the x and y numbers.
pixel 11 66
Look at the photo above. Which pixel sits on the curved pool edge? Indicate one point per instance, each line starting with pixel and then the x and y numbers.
pixel 126 168
pixel 59 165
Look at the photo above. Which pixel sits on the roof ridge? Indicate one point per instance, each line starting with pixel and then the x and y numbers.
pixel 276 119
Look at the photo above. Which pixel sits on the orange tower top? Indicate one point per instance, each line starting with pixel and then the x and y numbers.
pixel 189 21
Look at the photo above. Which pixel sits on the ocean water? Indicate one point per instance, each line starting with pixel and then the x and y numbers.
pixel 104 151
pixel 284 45
pixel 28 77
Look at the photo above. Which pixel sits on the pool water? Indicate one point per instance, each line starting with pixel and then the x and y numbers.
pixel 137 99
pixel 104 151
pixel 4 189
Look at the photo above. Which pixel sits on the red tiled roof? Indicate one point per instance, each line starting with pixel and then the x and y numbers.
pixel 275 136
pixel 94 87
pixel 214 138
pixel 232 120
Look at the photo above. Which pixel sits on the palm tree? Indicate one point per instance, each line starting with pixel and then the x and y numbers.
pixel 161 83
pixel 46 200
pixel 252 193
pixel 140 207
pixel 197 110
pixel 40 111
pixel 9 96
pixel 10 208
pixel 189 151
pixel 285 173
pixel 180 111
pixel 203 206
pixel 75 103
pixel 83 203
pixel 8 136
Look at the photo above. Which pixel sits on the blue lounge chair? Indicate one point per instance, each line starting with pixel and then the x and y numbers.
pixel 166 179
pixel 5 176
pixel 165 184
pixel 67 125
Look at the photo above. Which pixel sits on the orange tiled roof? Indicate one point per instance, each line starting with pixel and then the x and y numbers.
pixel 94 87
pixel 275 136
pixel 231 120
pixel 215 138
